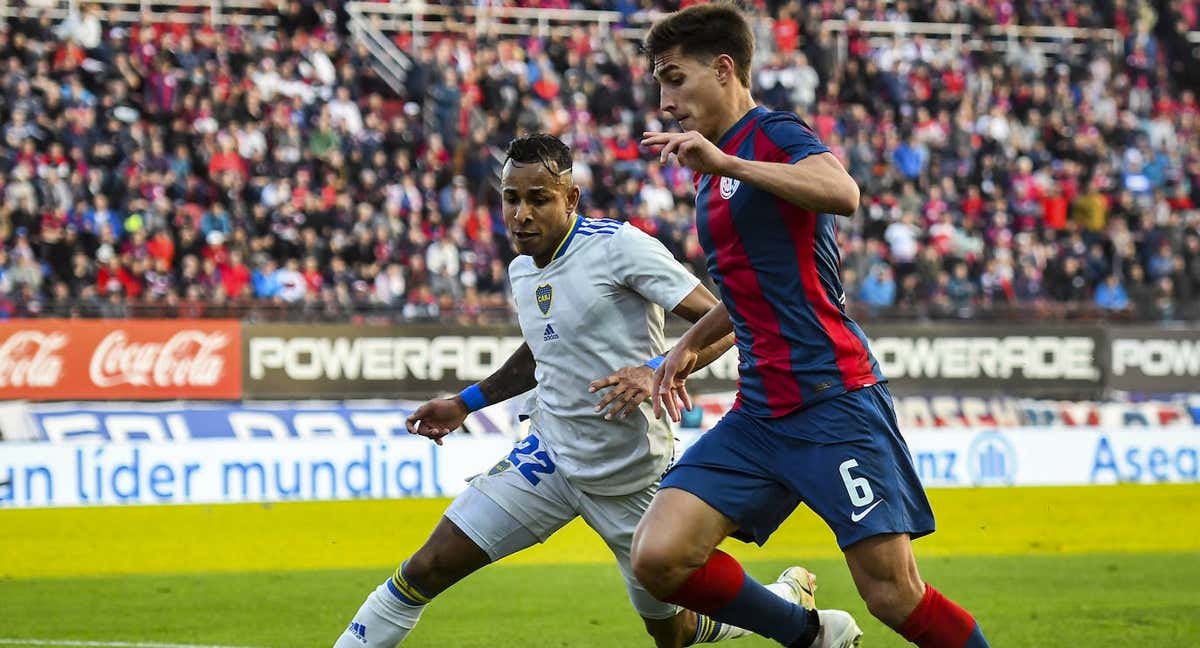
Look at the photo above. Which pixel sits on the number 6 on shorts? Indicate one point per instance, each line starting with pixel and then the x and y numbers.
pixel 858 488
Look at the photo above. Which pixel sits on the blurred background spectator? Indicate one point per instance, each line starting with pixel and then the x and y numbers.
pixel 266 172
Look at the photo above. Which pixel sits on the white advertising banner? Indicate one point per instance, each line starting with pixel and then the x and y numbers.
pixel 266 470
pixel 1055 456
pixel 259 470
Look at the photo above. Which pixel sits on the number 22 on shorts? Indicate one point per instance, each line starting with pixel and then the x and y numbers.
pixel 529 460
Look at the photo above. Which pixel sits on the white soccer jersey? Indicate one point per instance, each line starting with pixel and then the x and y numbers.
pixel 596 307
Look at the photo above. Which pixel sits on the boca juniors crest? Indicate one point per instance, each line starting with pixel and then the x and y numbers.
pixel 729 186
pixel 544 295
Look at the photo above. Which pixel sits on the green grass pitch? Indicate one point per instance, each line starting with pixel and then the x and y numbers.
pixel 1104 566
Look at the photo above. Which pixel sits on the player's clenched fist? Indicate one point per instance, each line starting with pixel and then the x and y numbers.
pixel 437 418
pixel 691 149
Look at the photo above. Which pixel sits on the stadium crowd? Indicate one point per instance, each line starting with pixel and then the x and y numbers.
pixel 166 170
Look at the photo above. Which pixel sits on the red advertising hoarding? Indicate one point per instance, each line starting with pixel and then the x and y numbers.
pixel 53 359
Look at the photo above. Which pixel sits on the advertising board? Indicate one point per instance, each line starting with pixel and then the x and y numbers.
pixel 54 359
pixel 37 474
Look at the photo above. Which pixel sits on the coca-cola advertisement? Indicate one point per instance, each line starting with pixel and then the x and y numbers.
pixel 128 359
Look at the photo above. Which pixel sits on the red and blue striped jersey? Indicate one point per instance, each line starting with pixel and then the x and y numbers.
pixel 777 267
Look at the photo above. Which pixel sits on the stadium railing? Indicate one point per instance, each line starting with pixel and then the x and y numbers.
pixel 391 64
pixel 222 12
pixel 1062 41
pixel 421 19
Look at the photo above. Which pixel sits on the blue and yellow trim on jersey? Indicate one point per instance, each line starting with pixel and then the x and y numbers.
pixel 562 246
pixel 586 227
pixel 401 589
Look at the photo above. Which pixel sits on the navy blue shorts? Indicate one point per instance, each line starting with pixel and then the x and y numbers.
pixel 843 457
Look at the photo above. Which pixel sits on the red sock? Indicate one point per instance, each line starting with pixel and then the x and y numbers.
pixel 711 587
pixel 938 622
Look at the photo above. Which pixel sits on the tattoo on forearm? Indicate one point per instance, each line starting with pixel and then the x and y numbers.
pixel 514 377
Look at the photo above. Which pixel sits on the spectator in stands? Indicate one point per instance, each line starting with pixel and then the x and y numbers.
pixel 142 140
pixel 878 289
pixel 1111 296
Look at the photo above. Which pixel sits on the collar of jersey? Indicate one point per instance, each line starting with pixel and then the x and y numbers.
pixel 562 247
pixel 733 130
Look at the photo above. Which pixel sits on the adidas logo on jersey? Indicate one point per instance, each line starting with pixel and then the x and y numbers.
pixel 549 334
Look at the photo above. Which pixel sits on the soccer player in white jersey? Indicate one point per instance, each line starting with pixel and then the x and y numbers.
pixel 590 295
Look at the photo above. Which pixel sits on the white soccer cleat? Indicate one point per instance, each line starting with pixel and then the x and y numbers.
pixel 838 630
pixel 798 585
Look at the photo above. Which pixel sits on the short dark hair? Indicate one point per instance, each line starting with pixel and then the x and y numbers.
pixel 705 31
pixel 541 148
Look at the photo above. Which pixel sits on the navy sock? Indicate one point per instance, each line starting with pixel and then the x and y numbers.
pixel 759 609
pixel 722 590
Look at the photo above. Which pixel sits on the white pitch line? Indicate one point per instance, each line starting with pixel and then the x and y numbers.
pixel 101 644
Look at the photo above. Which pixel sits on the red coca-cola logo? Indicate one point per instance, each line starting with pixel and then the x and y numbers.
pixel 190 358
pixel 30 359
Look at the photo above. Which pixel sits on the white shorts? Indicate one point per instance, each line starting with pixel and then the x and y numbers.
pixel 523 500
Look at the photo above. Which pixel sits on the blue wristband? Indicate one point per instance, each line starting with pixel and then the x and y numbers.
pixel 655 361
pixel 473 398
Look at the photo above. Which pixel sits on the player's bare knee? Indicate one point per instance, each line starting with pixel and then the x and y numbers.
pixel 891 601
pixel 883 602
pixel 649 569
pixel 659 568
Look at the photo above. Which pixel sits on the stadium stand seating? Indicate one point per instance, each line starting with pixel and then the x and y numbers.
pixel 1018 158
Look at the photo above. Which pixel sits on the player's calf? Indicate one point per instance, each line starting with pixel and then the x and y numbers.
pixel 889 582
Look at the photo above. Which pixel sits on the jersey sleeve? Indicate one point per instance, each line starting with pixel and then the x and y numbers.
pixel 644 265
pixel 788 139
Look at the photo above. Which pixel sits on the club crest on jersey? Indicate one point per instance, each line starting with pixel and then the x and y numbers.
pixel 544 295
pixel 729 186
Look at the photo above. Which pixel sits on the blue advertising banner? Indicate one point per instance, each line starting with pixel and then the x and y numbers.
pixel 201 421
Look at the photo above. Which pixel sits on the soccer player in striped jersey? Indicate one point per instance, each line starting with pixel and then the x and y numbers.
pixel 590 296
pixel 813 421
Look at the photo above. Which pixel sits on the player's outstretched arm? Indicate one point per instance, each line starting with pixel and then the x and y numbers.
pixel 629 387
pixel 817 183
pixel 439 417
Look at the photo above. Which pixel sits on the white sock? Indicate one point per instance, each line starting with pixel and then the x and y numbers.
pixel 383 621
